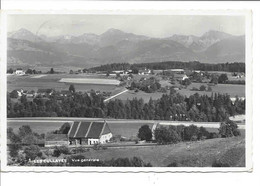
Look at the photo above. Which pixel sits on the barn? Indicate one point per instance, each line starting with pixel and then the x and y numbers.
pixel 89 133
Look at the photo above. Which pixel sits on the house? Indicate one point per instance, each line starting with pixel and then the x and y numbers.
pixel 144 71
pixel 233 99
pixel 45 92
pixel 89 133
pixel 30 94
pixel 180 77
pixel 56 140
pixel 19 71
pixel 65 93
pixel 177 71
pixel 19 92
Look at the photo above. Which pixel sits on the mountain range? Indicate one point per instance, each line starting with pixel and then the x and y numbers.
pixel 115 46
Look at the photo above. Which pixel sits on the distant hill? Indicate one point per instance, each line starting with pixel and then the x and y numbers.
pixel 115 46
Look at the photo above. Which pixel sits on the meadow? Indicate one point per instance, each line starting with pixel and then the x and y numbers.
pixel 229 151
pixel 232 90
pixel 125 128
pixel 35 82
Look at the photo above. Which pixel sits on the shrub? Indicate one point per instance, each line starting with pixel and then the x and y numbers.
pixel 145 133
pixel 13 150
pixel 165 135
pixel 217 163
pixel 173 164
pixel 213 135
pixel 228 129
pixel 203 133
pixel 190 132
pixel 203 88
pixel 58 150
pixel 31 152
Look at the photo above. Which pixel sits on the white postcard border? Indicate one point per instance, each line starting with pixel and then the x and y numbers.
pixel 249 101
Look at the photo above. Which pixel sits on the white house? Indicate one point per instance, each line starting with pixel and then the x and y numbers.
pixel 19 72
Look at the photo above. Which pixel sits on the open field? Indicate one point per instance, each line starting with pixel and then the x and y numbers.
pixel 126 128
pixel 52 81
pixel 184 154
pixel 140 94
pixel 94 81
pixel 232 90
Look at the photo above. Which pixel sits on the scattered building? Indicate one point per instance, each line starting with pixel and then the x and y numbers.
pixel 45 92
pixel 65 93
pixel 239 119
pixel 89 133
pixel 19 72
pixel 19 92
pixel 180 77
pixel 233 99
pixel 144 71
pixel 177 71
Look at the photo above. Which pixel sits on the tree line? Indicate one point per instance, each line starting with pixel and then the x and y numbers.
pixel 194 65
pixel 173 106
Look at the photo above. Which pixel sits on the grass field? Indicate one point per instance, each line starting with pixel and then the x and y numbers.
pixel 232 90
pixel 140 94
pixel 52 81
pixel 95 81
pixel 126 129
pixel 185 154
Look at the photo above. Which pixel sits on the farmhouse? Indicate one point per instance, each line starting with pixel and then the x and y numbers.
pixel 233 99
pixel 56 140
pixel 177 71
pixel 144 71
pixel 89 133
pixel 180 77
pixel 19 72
pixel 45 92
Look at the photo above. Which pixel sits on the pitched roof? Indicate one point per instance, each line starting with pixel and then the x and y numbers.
pixel 56 137
pixel 87 129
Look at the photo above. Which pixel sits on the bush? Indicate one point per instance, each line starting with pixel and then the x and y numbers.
pixel 31 152
pixel 219 164
pixel 145 133
pixel 173 164
pixel 213 135
pixel 126 162
pixel 13 150
pixel 191 132
pixel 203 88
pixel 203 134
pixel 58 150
pixel 165 135
pixel 79 149
pixel 228 129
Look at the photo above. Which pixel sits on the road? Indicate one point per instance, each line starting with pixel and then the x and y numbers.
pixel 115 95
pixel 109 120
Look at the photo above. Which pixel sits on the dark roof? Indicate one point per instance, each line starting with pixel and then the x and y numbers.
pixel 87 129
pixel 83 128
pixel 56 137
pixel 95 130
pixel 73 129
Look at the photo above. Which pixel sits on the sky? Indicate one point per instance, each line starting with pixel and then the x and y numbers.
pixel 149 25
